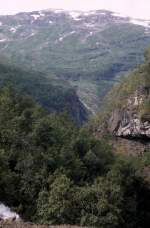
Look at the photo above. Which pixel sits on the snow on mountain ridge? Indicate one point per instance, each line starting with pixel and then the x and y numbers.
pixel 36 16
pixel 79 15
pixel 145 23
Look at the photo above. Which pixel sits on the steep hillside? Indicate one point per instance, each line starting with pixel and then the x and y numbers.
pixel 127 110
pixel 54 95
pixel 52 173
pixel 90 50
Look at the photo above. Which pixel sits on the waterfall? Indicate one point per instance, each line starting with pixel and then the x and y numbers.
pixel 6 213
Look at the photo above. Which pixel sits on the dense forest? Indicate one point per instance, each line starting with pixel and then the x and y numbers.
pixel 52 172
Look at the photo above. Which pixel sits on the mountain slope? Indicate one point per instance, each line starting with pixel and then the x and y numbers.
pixel 54 95
pixel 90 50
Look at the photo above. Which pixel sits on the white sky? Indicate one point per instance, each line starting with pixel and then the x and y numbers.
pixel 134 8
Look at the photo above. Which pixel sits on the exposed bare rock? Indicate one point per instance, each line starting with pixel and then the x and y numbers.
pixel 128 121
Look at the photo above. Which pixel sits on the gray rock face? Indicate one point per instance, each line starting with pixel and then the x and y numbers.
pixel 128 122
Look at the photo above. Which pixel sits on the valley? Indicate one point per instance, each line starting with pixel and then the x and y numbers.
pixel 74 120
pixel 91 51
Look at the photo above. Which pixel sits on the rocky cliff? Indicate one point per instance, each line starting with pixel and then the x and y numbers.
pixel 126 114
pixel 131 124
pixel 128 121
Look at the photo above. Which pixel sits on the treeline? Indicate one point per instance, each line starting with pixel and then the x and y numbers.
pixel 51 172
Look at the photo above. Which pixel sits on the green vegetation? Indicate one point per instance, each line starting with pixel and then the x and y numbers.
pixel 54 95
pixel 54 173
pixel 139 79
pixel 136 83
pixel 91 53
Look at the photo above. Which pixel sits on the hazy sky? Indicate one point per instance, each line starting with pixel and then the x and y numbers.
pixel 134 8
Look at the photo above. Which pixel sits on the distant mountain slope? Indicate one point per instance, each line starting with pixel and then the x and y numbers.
pixel 90 50
pixel 52 94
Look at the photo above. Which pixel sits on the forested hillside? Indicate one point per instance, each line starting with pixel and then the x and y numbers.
pixel 54 95
pixel 53 173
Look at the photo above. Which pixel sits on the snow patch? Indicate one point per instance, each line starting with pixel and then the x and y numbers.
pixel 88 13
pixel 102 13
pixel 115 14
pixel 145 23
pixel 3 40
pixel 75 15
pixel 32 34
pixel 58 10
pixel 147 30
pixel 41 14
pixel 77 19
pixel 50 22
pixel 89 25
pixel 1 23
pixel 36 16
pixel 61 38
pixel 6 213
pixel 13 29
pixel 136 21
pixel 65 35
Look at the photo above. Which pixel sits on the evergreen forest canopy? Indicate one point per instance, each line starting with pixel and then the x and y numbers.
pixel 51 172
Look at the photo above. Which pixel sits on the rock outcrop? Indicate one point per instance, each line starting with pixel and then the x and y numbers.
pixel 126 112
pixel 130 124
pixel 128 121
